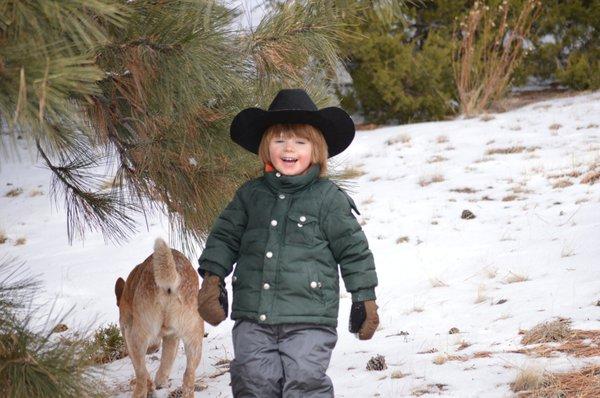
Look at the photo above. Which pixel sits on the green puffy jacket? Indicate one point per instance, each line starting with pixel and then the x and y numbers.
pixel 287 235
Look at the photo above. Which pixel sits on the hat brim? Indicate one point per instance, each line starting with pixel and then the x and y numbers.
pixel 335 124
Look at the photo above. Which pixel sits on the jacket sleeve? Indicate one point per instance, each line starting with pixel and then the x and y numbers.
pixel 223 243
pixel 349 246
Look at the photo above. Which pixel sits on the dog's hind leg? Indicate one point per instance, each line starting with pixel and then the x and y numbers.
pixel 193 352
pixel 137 346
pixel 170 344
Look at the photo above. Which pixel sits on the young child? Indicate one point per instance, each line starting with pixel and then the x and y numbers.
pixel 287 232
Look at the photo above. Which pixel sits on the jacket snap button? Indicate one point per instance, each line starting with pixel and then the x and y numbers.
pixel 269 254
pixel 266 286
pixel 274 223
pixel 281 196
pixel 300 225
pixel 234 278
pixel 262 317
pixel 313 284
pixel 302 218
pixel 277 174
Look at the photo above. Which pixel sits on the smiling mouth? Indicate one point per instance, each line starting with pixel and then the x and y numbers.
pixel 289 160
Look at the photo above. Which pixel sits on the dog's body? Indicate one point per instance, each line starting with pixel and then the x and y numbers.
pixel 160 300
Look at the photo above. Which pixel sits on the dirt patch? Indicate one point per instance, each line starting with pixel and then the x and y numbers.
pixel 518 100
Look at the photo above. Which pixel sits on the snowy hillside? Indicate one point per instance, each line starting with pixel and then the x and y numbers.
pixel 454 292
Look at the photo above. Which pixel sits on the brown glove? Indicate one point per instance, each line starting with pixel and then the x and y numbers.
pixel 364 319
pixel 212 299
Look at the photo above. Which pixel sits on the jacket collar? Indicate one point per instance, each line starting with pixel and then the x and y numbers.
pixel 291 184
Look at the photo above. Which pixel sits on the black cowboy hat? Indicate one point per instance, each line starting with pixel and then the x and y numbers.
pixel 292 106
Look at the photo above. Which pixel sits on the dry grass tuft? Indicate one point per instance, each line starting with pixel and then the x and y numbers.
pixel 574 342
pixel 429 351
pixel 562 183
pixel 528 379
pixel 592 177
pixel 490 272
pixel 572 174
pixel 486 117
pixel 511 150
pixel 555 126
pixel 583 383
pixel 403 138
pixel 427 180
pixel 20 241
pixel 14 192
pixel 437 159
pixel 464 190
pixel 440 359
pixel 462 345
pixel 3 237
pixel 481 297
pixel 402 239
pixel 441 139
pixel 396 374
pixel 482 354
pixel 510 198
pixel 436 282
pixel 443 358
pixel 350 173
pixel 547 332
pixel 437 388
pixel 515 278
pixel 35 192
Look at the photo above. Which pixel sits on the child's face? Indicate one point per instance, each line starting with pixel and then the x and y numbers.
pixel 290 155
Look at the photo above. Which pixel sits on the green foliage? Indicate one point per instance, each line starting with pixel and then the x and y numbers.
pixel 109 344
pixel 401 68
pixel 394 80
pixel 566 44
pixel 36 363
pixel 391 53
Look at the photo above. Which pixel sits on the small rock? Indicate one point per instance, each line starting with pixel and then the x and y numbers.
pixel 502 301
pixel 377 363
pixel 598 303
pixel 467 215
pixel 453 331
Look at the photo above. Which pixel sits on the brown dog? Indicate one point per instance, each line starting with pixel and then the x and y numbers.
pixel 160 300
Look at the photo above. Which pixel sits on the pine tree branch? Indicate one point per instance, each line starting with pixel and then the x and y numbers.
pixel 106 212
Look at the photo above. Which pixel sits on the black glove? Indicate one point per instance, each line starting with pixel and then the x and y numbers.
pixel 223 299
pixel 364 319
pixel 357 316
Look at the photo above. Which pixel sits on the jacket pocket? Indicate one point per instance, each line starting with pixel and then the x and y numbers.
pixel 300 229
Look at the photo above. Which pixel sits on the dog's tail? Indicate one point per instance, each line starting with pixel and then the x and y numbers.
pixel 163 263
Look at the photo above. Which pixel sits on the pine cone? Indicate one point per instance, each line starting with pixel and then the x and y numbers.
pixel 377 363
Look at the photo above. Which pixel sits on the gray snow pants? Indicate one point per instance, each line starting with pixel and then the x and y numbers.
pixel 281 361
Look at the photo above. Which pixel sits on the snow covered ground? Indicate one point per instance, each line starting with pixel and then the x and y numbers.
pixel 531 253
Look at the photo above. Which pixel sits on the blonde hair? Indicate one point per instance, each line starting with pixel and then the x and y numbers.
pixel 304 131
